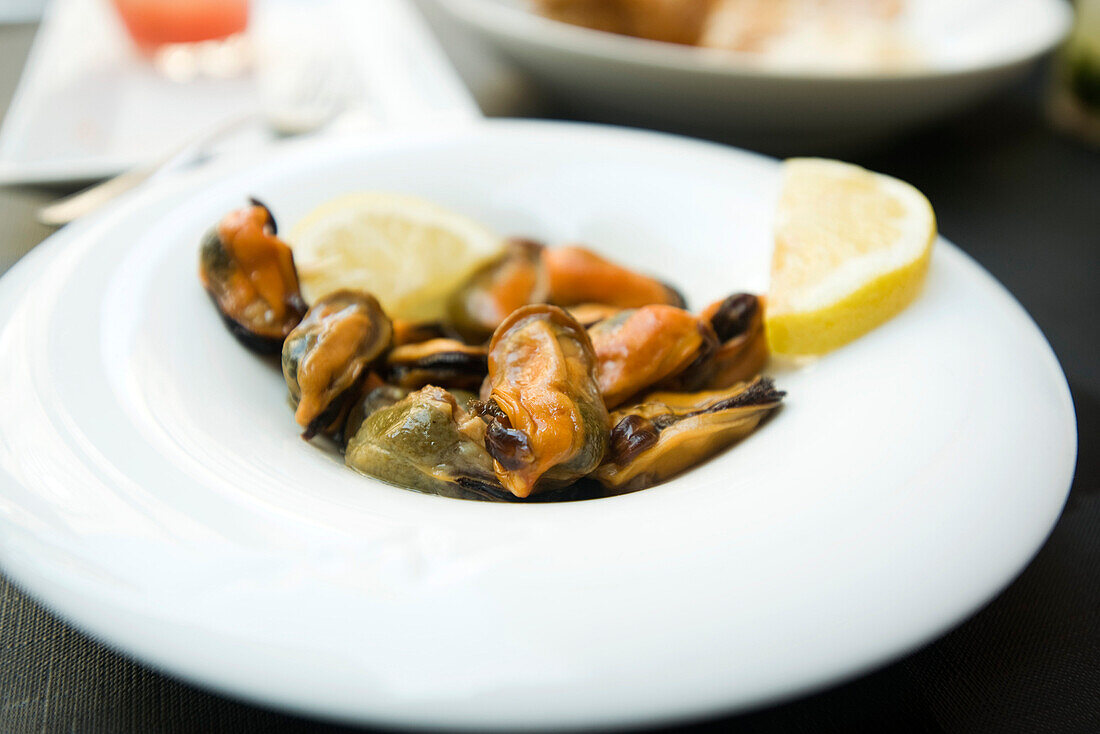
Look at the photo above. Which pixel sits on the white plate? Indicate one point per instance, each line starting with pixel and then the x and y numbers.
pixel 972 47
pixel 88 106
pixel 154 491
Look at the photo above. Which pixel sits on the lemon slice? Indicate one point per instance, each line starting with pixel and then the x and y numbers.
pixel 409 253
pixel 851 251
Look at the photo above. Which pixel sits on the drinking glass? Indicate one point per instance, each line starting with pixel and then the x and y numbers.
pixel 186 38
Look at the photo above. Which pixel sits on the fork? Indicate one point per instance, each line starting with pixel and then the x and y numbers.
pixel 295 100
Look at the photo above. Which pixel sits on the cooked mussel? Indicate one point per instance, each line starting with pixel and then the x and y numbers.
pixel 566 276
pixel 426 441
pixel 577 275
pixel 639 348
pixel 441 362
pixel 415 332
pixel 590 314
pixel 547 423
pixel 497 289
pixel 374 395
pixel 250 276
pixel 668 432
pixel 328 355
pixel 738 321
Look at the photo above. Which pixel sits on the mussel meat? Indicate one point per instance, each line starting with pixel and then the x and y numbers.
pixel 547 422
pixel 639 348
pixel 566 276
pixel 426 441
pixel 329 354
pixel 577 275
pixel 499 288
pixel 440 362
pixel 249 274
pixel 415 332
pixel 738 321
pixel 374 395
pixel 667 432
pixel 590 314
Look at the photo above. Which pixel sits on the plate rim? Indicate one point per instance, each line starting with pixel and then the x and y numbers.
pixel 506 20
pixel 75 612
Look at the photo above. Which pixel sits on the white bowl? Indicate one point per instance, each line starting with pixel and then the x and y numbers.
pixel 972 47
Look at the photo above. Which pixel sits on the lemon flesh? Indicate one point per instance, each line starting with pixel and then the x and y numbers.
pixel 852 249
pixel 407 252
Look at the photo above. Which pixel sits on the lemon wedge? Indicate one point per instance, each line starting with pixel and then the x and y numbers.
pixel 851 251
pixel 408 252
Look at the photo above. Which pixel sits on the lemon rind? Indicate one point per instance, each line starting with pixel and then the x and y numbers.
pixel 865 309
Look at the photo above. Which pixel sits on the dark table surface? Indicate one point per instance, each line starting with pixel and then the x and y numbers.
pixel 1025 202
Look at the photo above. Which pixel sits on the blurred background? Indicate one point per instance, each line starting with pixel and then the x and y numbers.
pixel 991 108
pixel 113 84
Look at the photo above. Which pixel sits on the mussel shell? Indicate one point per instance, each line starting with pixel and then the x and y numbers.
pixel 441 362
pixel 547 420
pixel 666 432
pixel 251 320
pixel 332 351
pixel 429 443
